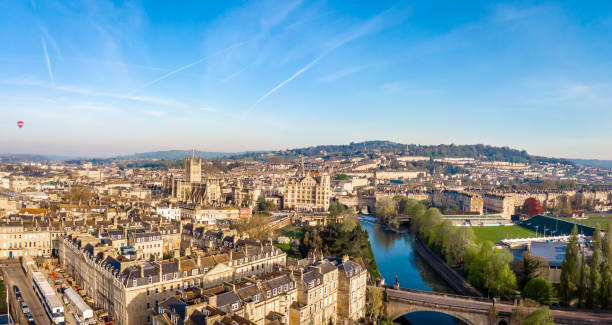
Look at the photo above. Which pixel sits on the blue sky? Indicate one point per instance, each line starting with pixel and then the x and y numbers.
pixel 98 78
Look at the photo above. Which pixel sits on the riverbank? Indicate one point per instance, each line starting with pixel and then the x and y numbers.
pixel 452 278
pixel 455 281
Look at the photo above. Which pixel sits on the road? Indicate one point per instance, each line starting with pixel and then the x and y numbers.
pixel 14 275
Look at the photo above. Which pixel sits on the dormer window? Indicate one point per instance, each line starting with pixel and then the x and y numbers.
pixel 184 273
pixel 274 291
pixel 134 282
pixel 194 272
pixel 176 275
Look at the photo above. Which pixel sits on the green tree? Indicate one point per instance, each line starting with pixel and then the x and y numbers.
pixel 531 267
pixel 595 271
pixel 605 295
pixel 458 243
pixel 386 211
pixel 539 290
pixel 490 269
pixel 427 222
pixel 336 209
pixel 540 316
pixel 341 176
pixel 374 303
pixel 404 205
pixel 583 282
pixel 569 270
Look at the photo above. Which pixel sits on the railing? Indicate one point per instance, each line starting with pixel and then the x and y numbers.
pixel 441 294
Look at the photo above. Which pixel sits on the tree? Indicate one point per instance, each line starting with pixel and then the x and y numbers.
pixel 606 269
pixel 404 205
pixel 595 271
pixel 490 269
pixel 532 207
pixel 431 217
pixel 386 211
pixel 458 243
pixel 532 267
pixel 374 303
pixel 341 176
pixel 583 282
pixel 569 270
pixel 538 289
pixel 540 316
pixel 336 209
pixel 265 205
pixel 563 207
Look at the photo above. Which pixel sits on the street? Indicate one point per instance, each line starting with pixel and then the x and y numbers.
pixel 14 275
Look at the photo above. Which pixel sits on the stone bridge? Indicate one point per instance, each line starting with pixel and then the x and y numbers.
pixel 473 310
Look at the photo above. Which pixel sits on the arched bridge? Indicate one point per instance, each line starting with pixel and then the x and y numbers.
pixel 472 310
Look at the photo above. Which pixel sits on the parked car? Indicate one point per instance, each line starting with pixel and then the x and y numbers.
pixel 29 317
pixel 16 288
pixel 25 307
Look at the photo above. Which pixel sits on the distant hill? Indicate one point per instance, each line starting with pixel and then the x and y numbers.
pixel 476 151
pixel 593 162
pixel 30 157
pixel 177 154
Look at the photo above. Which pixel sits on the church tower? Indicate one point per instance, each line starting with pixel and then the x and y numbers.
pixel 193 168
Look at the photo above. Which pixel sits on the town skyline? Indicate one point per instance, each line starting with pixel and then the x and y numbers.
pixel 107 78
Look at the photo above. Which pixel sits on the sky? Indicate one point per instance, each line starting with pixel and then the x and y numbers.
pixel 103 78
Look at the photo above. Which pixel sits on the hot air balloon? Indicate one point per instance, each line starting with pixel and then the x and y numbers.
pixel 20 124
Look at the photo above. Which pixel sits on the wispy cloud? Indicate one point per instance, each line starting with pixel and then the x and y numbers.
pixel 373 25
pixel 187 66
pixel 32 82
pixel 49 70
pixel 341 74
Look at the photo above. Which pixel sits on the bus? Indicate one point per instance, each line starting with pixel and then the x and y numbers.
pixel 52 304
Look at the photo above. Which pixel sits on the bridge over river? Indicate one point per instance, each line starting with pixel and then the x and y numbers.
pixel 433 298
pixel 472 310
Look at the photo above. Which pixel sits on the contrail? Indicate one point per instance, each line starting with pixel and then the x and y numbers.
pixel 154 81
pixel 282 84
pixel 44 44
pixel 367 28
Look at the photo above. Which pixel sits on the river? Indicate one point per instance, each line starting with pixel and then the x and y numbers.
pixel 395 256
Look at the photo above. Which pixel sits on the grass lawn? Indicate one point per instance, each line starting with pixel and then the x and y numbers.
pixel 495 234
pixel 293 232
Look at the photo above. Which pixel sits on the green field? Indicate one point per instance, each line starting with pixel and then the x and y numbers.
pixel 495 234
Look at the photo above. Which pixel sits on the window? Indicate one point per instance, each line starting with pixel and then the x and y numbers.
pixel 176 275
pixel 234 306
pixel 156 290
pixel 148 305
pixel 150 280
pixel 194 272
pixel 148 293
pixel 134 282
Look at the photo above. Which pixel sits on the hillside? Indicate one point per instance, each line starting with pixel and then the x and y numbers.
pixel 477 151
pixel 594 162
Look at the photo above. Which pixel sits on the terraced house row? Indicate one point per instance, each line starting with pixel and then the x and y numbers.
pixel 250 283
